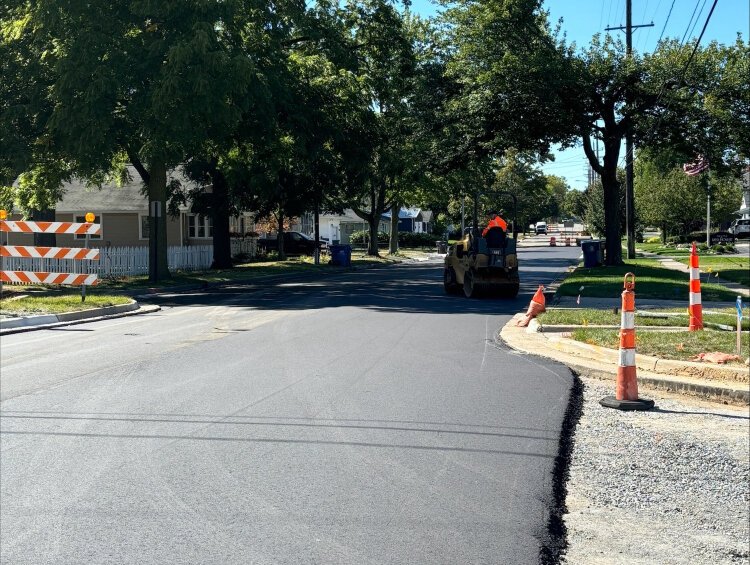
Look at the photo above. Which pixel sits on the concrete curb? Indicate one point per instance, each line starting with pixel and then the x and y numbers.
pixel 47 321
pixel 723 384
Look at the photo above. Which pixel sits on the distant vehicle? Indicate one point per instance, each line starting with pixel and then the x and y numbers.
pixel 541 228
pixel 295 243
pixel 740 228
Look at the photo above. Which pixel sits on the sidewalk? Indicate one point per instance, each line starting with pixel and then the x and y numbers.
pixel 669 263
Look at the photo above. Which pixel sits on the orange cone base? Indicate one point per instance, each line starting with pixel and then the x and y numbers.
pixel 639 404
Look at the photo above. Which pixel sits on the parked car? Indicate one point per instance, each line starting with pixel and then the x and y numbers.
pixel 295 243
pixel 541 228
pixel 740 228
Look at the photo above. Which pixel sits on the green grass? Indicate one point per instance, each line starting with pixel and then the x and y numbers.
pixel 730 267
pixel 592 316
pixel 652 281
pixel 57 304
pixel 669 345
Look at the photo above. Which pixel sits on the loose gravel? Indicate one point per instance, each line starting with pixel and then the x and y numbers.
pixel 671 485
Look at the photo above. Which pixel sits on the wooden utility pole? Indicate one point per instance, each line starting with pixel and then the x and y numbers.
pixel 629 194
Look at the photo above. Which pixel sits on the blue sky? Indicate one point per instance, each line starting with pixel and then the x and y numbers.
pixel 583 18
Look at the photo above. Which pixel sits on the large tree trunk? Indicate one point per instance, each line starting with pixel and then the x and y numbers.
pixel 612 233
pixel 393 247
pixel 158 268
pixel 372 248
pixel 280 235
pixel 45 239
pixel 220 216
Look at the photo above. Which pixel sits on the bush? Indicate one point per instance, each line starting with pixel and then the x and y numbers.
pixel 409 239
pixel 363 236
pixel 653 240
pixel 703 247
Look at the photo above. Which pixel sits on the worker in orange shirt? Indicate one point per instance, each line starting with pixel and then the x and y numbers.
pixel 495 222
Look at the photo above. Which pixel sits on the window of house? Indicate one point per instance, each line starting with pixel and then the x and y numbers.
pixel 144 227
pixel 200 227
pixel 82 220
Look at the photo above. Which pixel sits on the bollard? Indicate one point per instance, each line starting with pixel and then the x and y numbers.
pixel 552 241
pixel 567 242
pixel 626 385
pixel 695 308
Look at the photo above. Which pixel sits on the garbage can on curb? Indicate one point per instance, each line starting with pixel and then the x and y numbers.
pixel 341 255
pixel 591 253
pixel 442 247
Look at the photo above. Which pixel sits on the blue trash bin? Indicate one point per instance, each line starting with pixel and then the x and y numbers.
pixel 591 253
pixel 341 255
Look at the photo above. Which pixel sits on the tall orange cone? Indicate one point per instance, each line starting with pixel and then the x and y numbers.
pixel 536 306
pixel 695 309
pixel 626 386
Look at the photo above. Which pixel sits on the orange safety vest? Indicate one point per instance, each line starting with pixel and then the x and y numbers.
pixel 498 222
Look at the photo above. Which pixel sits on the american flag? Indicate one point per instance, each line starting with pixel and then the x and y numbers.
pixel 696 167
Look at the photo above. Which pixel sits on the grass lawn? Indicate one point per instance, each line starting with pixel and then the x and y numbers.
pixel 669 345
pixel 57 304
pixel 592 316
pixel 730 267
pixel 652 281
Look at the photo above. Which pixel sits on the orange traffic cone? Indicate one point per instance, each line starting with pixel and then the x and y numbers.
pixel 626 386
pixel 536 307
pixel 552 241
pixel 695 309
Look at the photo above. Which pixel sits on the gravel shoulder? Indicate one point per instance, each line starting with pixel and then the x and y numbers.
pixel 667 486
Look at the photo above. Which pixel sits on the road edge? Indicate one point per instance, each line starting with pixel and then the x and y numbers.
pixel 82 317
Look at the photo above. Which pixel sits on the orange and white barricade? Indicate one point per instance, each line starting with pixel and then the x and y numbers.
pixel 626 385
pixel 34 252
pixel 695 308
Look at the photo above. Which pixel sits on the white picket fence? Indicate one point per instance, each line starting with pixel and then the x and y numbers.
pixel 129 261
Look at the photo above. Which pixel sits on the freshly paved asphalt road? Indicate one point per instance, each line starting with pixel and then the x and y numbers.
pixel 361 418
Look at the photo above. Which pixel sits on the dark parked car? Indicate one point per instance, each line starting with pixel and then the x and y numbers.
pixel 295 243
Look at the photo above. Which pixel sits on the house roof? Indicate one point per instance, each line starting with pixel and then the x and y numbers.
pixel 405 213
pixel 78 197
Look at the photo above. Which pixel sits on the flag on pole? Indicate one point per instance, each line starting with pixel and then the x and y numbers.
pixel 696 167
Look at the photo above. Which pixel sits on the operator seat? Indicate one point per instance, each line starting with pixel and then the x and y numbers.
pixel 496 238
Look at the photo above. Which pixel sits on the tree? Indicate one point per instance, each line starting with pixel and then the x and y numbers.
pixel 675 202
pixel 144 82
pixel 511 82
pixel 386 64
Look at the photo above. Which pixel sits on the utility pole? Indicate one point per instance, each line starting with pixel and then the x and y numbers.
pixel 629 195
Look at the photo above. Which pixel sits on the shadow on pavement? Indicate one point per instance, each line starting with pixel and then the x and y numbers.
pixel 415 288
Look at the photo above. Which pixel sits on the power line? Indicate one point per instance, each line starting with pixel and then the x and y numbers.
pixel 648 33
pixel 684 70
pixel 698 17
pixel 665 23
pixel 684 36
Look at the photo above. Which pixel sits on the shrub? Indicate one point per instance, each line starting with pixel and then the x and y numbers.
pixel 363 236
pixel 653 240
pixel 703 247
pixel 719 248
pixel 409 239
